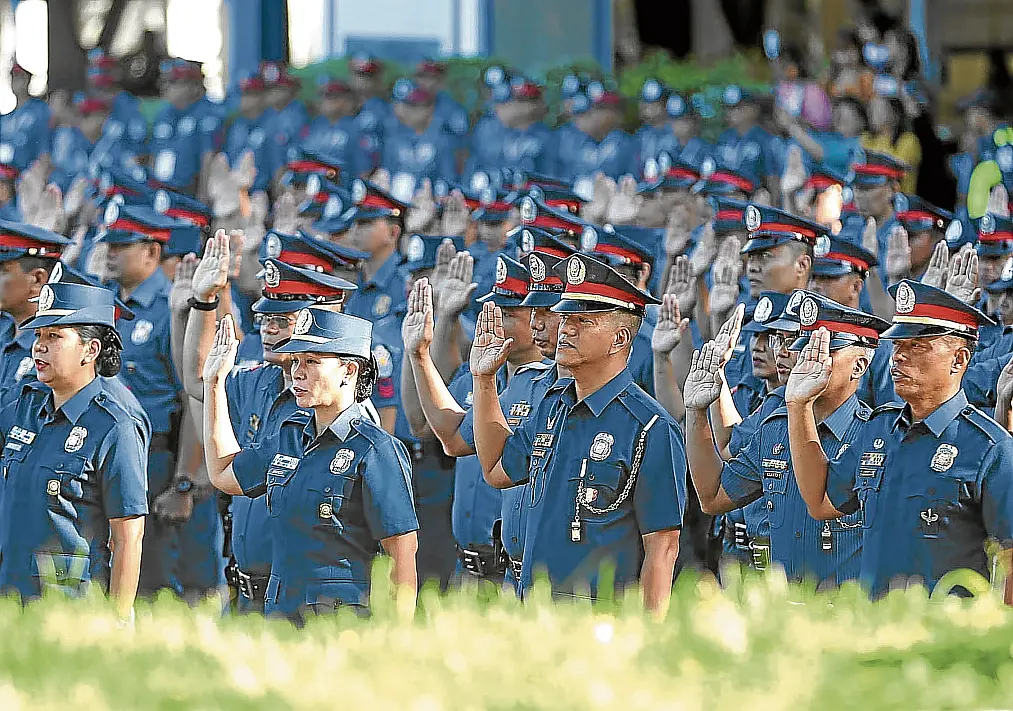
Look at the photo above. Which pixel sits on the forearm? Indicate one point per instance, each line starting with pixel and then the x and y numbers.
pixel 704 463
pixel 177 335
pixel 198 339
pixel 657 573
pixel 410 401
pixel 126 535
pixel 402 550
pixel 724 416
pixel 1006 558
pixel 809 461
pixel 666 389
pixel 220 444
pixel 810 144
pixel 491 428
pixel 446 346
pixel 247 280
pixel 441 410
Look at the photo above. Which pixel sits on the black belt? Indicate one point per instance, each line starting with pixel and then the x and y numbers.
pixel 159 443
pixel 515 567
pixel 252 587
pixel 483 562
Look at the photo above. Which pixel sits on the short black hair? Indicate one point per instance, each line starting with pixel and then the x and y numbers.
pixel 31 262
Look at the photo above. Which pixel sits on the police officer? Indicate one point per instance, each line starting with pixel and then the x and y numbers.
pixel 515 137
pixel 476 505
pixel 137 238
pixel 601 491
pixel 338 487
pixel 125 125
pixel 336 132
pixel 596 142
pixel 929 479
pixel 415 144
pixel 183 135
pixel 260 397
pixel 876 181
pixel 248 131
pixel 655 135
pixel 925 224
pixel 430 75
pixel 73 459
pixel 25 130
pixel 73 150
pixel 745 144
pixel 779 250
pixel 288 118
pixel 994 247
pixel 803 547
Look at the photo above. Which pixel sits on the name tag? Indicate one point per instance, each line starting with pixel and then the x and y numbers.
pixel 15 446
pixel 544 439
pixel 22 435
pixel 873 459
pixel 777 465
pixel 285 462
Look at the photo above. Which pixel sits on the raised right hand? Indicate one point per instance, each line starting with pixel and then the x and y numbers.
pixel 811 374
pixel 417 326
pixel 898 255
pixel 671 327
pixel 456 290
pixel 222 358
pixel 938 269
pixel 491 347
pixel 705 251
pixel 703 384
pixel 212 274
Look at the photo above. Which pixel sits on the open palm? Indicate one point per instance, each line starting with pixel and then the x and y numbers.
pixel 456 290
pixel 962 280
pixel 670 328
pixel 212 274
pixel 491 347
pixel 455 215
pixel 417 326
pixel 222 358
pixel 811 374
pixel 703 384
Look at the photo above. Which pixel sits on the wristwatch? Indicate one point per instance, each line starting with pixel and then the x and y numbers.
pixel 193 303
pixel 184 486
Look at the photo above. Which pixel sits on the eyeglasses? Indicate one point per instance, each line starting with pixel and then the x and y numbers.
pixel 777 341
pixel 280 322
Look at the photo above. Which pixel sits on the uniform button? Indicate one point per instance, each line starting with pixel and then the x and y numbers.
pixel 327 490
pixel 513 539
pixel 798 534
pixel 932 491
pixel 591 477
pixel 355 422
pixel 517 506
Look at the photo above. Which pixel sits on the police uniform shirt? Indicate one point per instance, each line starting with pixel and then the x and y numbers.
pixel 477 506
pixel 564 438
pixel 26 131
pixel 927 494
pixel 641 362
pixel 486 146
pixel 382 294
pixel 284 131
pixel 411 157
pixel 66 473
pixel 531 150
pixel 331 498
pixel 452 117
pixel 652 141
pixel 16 360
pixel 827 551
pixel 580 156
pixel 178 147
pixel 342 140
pixel 148 369
pixel 126 122
pixel 751 153
pixel 70 155
pixel 246 135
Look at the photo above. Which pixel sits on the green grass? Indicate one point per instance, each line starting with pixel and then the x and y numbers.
pixel 756 645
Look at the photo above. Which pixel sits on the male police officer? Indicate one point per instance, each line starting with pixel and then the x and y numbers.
pixel 601 491
pixel 930 480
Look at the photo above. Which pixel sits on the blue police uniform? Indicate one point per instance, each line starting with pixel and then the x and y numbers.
pixel 578 155
pixel 332 496
pixel 343 140
pixel 245 134
pixel 26 131
pixel 125 131
pixel 177 148
pixel 838 152
pixel 486 150
pixel 66 470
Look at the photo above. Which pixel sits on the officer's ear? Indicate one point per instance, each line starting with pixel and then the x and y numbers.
pixel 351 371
pixel 92 349
pixel 961 357
pixel 861 364
pixel 154 250
pixel 37 278
pixel 804 264
pixel 624 334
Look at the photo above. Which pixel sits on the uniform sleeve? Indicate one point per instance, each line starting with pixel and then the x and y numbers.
pixel 659 499
pixel 516 460
pixel 387 497
pixel 124 471
pixel 741 476
pixel 251 464
pixel 997 492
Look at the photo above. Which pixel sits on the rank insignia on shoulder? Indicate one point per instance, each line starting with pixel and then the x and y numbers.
pixel 944 457
pixel 22 435
pixel 284 461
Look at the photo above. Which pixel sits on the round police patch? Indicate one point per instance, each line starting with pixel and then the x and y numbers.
pixel 273 246
pixel 142 332
pixel 46 297
pixel 900 203
pixel 271 274
pixel 536 267
pixel 112 213
pixel 651 91
pixel 905 299
pixel 424 152
pixel 822 247
pixel 381 305
pixel 764 307
pixel 987 224
pixel 75 440
pixel 588 239
pixel 358 191
pixel 162 202
pixel 528 209
pixel 303 322
pixel 312 185
pixel 944 457
pixel 342 460
pixel 576 272
pixel 416 249
pixel 384 361
pixel 809 312
pixel 753 219
pixel 56 274
pixel 955 231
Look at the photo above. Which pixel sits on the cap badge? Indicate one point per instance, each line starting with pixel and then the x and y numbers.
pixel 753 219
pixel 56 274
pixel 944 457
pixel 333 207
pixel 822 247
pixel 501 270
pixel 416 249
pixel 46 298
pixel 809 312
pixel 987 224
pixel 651 170
pixel 342 460
pixel 479 181
pixel 312 185
pixel 303 322
pixel 527 210
pixel 763 310
pixel 273 247
pixel 601 446
pixel 588 239
pixel 161 203
pixel 900 203
pixel 954 231
pixel 527 241
pixel 905 299
pixel 358 192
pixel 272 275
pixel 676 107
pixel 112 213
pixel 1007 271
pixel 575 271
pixel 793 301
pixel 537 268
pixel 707 167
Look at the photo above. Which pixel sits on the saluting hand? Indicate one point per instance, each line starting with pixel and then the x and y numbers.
pixel 938 270
pixel 455 291
pixel 870 240
pixel 625 206
pixel 222 358
pixel 182 285
pixel 417 326
pixel 704 382
pixel 962 281
pixel 212 274
pixel 728 336
pixel 671 327
pixel 811 374
pixel 727 270
pixel 604 191
pixel 682 284
pixel 455 215
pixel 491 347
pixel 898 255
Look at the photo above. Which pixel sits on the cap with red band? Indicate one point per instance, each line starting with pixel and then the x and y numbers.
pixel 918 215
pixel 847 326
pixel 535 213
pixel 545 286
pixel 288 288
pixel 18 240
pixel 533 239
pixel 837 257
pixel 591 286
pixel 923 311
pixel 769 227
pixel 511 284
pixel 873 168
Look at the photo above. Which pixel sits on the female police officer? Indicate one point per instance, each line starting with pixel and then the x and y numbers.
pixel 338 486
pixel 73 462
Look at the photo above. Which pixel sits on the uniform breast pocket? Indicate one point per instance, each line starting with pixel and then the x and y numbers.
pixel 775 483
pixel 65 482
pixel 935 499
pixel 11 458
pixel 602 490
pixel 278 479
pixel 327 499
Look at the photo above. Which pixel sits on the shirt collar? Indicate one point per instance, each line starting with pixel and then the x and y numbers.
pixel 598 400
pixel 842 417
pixel 148 289
pixel 941 418
pixel 342 426
pixel 78 404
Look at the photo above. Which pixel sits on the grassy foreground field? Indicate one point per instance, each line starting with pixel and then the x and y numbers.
pixel 757 645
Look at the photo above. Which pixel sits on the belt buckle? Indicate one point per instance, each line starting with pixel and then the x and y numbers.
pixel 761 555
pixel 739 534
pixel 472 562
pixel 245 584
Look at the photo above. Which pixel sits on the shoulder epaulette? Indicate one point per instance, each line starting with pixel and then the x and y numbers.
pixel 989 427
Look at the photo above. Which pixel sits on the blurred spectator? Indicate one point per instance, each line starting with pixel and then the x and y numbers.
pixel 889 133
